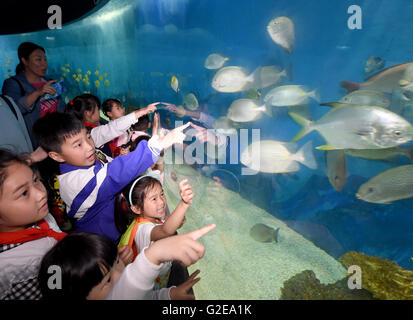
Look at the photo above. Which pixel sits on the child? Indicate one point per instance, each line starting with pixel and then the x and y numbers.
pixel 88 184
pixel 145 221
pixel 86 108
pixel 90 268
pixel 113 109
pixel 27 229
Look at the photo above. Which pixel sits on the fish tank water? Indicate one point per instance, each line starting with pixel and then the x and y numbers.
pixel 312 194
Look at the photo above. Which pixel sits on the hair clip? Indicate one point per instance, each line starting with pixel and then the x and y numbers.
pixel 71 102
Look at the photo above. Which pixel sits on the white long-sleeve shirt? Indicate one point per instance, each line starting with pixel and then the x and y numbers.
pixel 136 282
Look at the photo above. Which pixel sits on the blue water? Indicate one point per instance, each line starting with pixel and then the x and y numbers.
pixel 136 46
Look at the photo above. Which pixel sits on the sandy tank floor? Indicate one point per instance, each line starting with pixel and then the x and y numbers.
pixel 235 266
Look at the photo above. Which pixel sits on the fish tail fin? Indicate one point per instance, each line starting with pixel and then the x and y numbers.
pixel 267 110
pixel 315 94
pixel 306 156
pixel 350 86
pixel 305 123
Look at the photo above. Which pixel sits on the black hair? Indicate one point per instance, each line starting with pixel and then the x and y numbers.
pixel 80 257
pixel 123 214
pixel 6 158
pixel 24 50
pixel 80 104
pixel 54 128
pixel 108 104
pixel 142 124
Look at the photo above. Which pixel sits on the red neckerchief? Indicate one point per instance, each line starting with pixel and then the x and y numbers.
pixel 31 234
pixel 90 125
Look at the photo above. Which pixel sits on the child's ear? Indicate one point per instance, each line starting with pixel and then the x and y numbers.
pixel 56 156
pixel 135 209
pixel 109 114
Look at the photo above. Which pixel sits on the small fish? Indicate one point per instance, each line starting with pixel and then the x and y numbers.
pixel 268 76
pixel 97 83
pixel 364 127
pixel 175 84
pixel 336 168
pixel 263 233
pixel 384 81
pixel 254 93
pixel 281 30
pixel 373 64
pixel 388 186
pixel 246 110
pixel 290 95
pixel 366 98
pixel 225 126
pixel 215 61
pixel 191 102
pixel 271 156
pixel 233 79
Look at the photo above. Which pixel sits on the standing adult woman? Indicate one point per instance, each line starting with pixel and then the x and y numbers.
pixel 30 85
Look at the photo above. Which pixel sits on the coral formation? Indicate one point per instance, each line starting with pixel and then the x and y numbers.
pixel 305 286
pixel 383 278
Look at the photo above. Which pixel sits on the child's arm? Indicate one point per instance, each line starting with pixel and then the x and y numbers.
pixel 136 281
pixel 176 219
pixel 115 128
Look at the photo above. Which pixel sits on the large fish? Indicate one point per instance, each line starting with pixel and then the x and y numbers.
pixel 386 154
pixel 281 30
pixel 363 127
pixel 385 80
pixel 275 157
pixel 388 186
pixel 336 168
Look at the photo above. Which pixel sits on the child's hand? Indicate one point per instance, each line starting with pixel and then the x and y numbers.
pixel 181 292
pixel 186 192
pixel 174 136
pixel 182 247
pixel 148 109
pixel 125 254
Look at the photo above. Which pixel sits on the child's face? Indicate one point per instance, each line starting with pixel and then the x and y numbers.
pixel 92 116
pixel 154 203
pixel 116 112
pixel 23 199
pixel 77 150
pixel 100 291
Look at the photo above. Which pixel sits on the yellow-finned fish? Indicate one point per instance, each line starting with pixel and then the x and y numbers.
pixel 363 127
pixel 175 84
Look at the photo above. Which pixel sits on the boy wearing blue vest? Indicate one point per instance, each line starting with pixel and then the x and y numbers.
pixel 89 180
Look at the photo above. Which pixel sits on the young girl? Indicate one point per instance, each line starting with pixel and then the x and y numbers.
pixel 146 220
pixel 27 229
pixel 89 268
pixel 113 109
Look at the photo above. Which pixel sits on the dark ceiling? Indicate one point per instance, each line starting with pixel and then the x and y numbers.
pixel 19 16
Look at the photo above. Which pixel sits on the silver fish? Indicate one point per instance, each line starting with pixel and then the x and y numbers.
pixel 381 154
pixel 245 110
pixel 384 81
pixel 281 30
pixel 263 233
pixel 336 168
pixel 289 95
pixel 388 186
pixel 363 127
pixel 232 79
pixel 366 98
pixel 373 63
pixel 215 61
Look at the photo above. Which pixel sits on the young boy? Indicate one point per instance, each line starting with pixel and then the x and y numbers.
pixel 88 185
